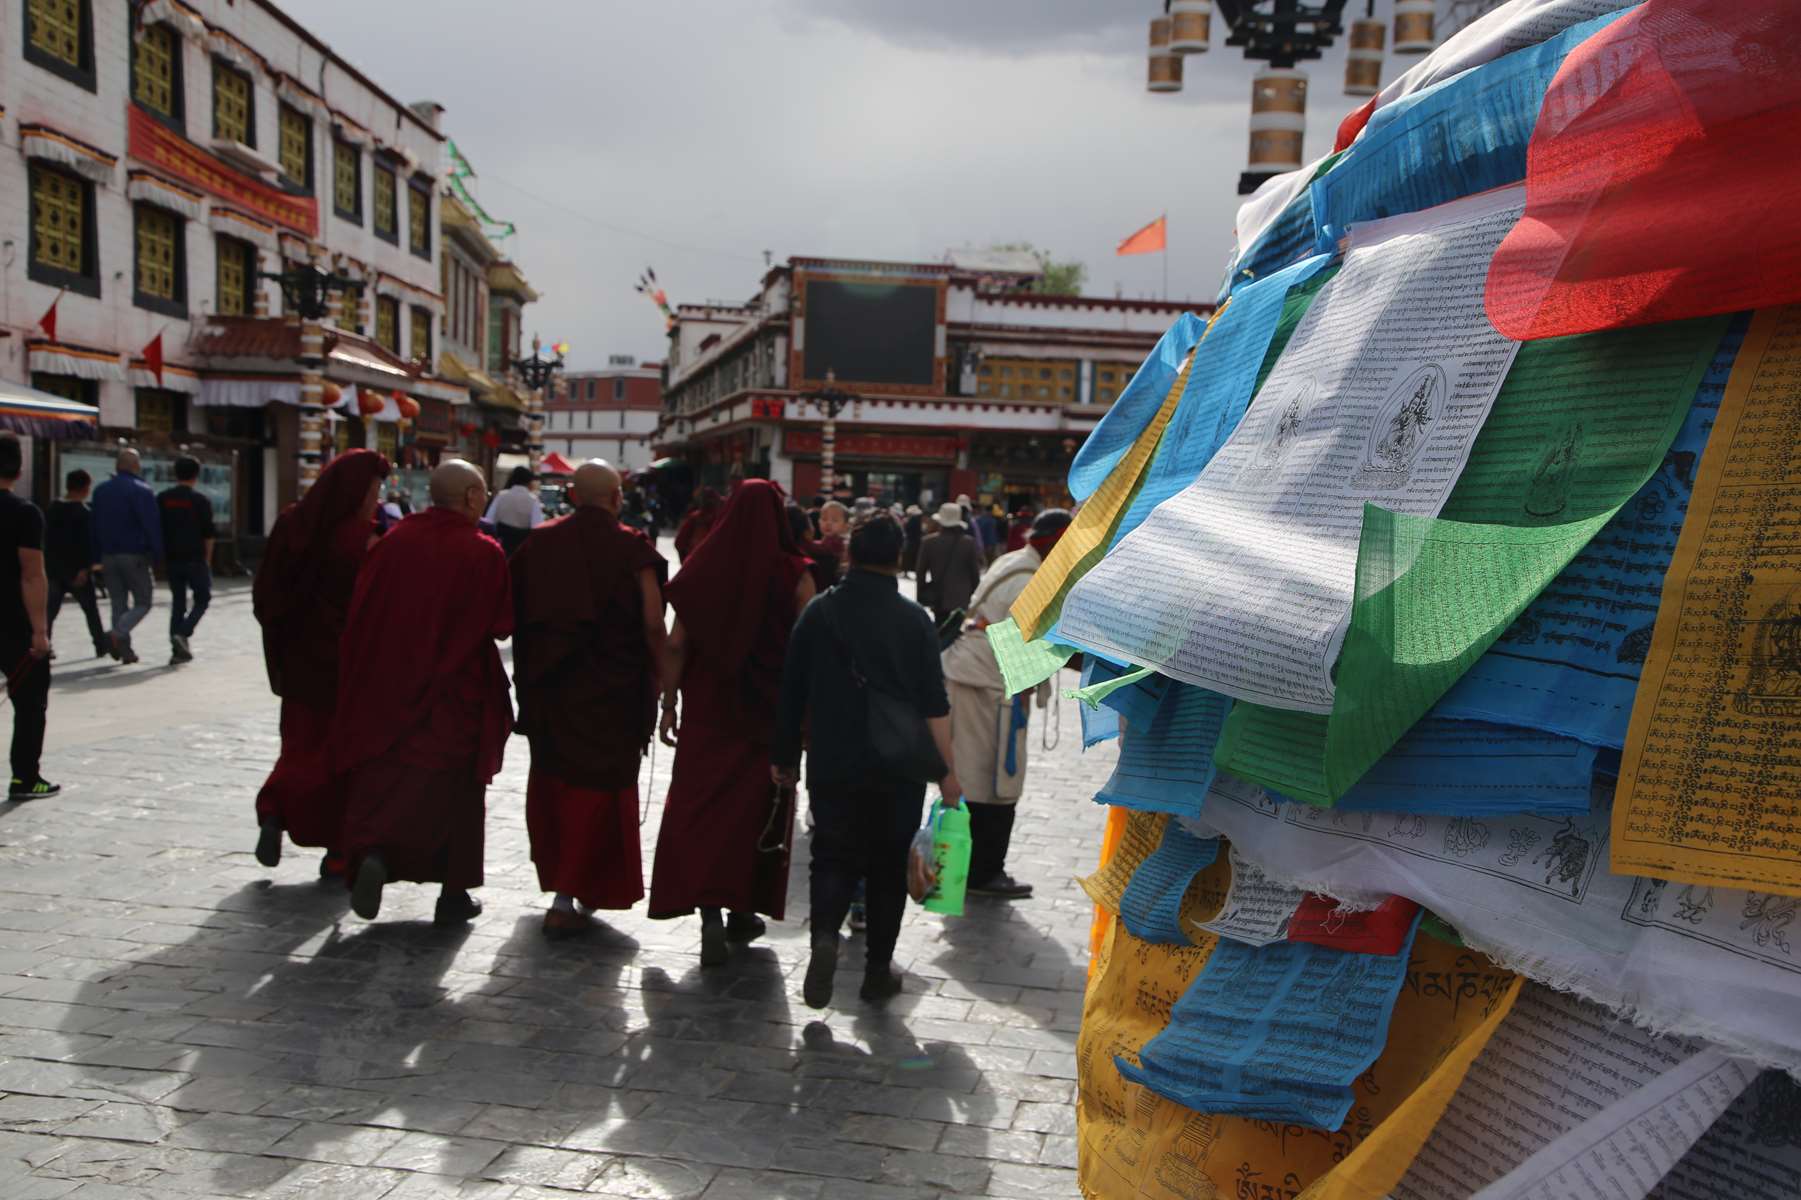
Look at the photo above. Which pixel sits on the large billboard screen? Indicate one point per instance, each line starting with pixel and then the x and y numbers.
pixel 871 333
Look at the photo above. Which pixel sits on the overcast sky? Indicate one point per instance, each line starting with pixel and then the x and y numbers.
pixel 693 135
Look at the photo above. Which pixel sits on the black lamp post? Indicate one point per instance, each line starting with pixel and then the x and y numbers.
pixel 831 400
pixel 304 289
pixel 537 372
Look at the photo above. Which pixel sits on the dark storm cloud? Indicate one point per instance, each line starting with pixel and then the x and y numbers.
pixel 1013 27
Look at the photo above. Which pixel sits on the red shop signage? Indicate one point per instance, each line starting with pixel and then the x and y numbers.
pixel 936 446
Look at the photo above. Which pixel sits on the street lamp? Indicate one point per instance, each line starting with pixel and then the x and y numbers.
pixel 831 400
pixel 306 288
pixel 537 372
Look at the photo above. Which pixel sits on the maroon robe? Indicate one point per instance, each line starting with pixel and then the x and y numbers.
pixel 300 597
pixel 735 599
pixel 587 701
pixel 423 708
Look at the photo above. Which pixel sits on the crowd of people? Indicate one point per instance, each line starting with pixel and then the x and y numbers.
pixel 789 630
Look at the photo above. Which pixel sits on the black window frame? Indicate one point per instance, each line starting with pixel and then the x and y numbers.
pixel 413 311
pixel 177 120
pixel 419 192
pixel 81 284
pixel 375 322
pixel 300 187
pixel 356 157
pixel 384 166
pixel 83 75
pixel 252 265
pixel 87 390
pixel 177 307
pixel 224 66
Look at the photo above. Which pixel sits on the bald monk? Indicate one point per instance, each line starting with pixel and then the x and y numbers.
pixel 423 711
pixel 588 634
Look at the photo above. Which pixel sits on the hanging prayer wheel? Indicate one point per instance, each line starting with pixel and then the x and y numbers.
pixel 1278 120
pixel 1190 21
pixel 1413 26
pixel 1166 64
pixel 1363 60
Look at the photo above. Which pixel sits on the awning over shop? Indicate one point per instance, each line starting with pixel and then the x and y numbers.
pixel 555 464
pixel 28 411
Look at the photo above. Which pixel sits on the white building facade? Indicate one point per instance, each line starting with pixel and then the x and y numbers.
pixel 610 414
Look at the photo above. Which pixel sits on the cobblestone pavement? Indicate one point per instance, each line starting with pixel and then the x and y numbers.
pixel 177 1021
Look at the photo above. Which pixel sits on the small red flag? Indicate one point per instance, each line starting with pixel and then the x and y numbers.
pixel 153 357
pixel 1149 240
pixel 47 322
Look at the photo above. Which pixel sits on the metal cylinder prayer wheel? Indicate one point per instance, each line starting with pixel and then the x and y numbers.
pixel 1165 64
pixel 1414 26
pixel 1278 119
pixel 1190 23
pixel 1363 59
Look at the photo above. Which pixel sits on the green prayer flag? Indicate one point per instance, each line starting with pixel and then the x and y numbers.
pixel 1024 665
pixel 1094 693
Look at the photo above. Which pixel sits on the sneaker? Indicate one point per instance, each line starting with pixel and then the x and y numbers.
pixel 1002 886
pixel 38 789
pixel 179 652
pixel 268 843
pixel 745 927
pixel 859 917
pixel 816 989
pixel 365 894
pixel 880 984
pixel 454 908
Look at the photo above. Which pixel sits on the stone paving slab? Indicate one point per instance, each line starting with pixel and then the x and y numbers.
pixel 177 1021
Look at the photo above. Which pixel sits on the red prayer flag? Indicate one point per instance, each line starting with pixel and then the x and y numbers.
pixel 1658 173
pixel 47 322
pixel 1147 240
pixel 153 357
pixel 1382 930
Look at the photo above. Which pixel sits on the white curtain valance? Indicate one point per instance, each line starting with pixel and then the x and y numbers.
pixel 175 379
pixel 247 393
pixel 236 224
pixel 146 187
pixel 185 19
pixel 37 141
pixel 80 361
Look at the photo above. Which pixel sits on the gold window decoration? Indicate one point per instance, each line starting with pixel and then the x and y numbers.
pixel 158 234
pixel 350 309
pixel 387 440
pixel 231 105
pixel 420 346
pixel 387 217
pixel 235 267
pixel 58 217
pixel 153 79
pixel 347 191
pixel 296 142
pixel 56 29
pixel 387 323
pixel 418 236
pixel 67 386
pixel 156 411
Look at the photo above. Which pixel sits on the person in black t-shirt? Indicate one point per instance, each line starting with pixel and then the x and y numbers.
pixel 24 625
pixel 187 554
pixel 71 557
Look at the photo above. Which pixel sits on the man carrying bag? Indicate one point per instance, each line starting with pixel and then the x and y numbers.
pixel 863 678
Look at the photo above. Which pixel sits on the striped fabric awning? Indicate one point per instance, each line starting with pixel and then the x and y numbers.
pixel 28 411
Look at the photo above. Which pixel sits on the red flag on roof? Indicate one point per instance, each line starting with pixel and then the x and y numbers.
pixel 153 357
pixel 1149 240
pixel 1657 175
pixel 47 322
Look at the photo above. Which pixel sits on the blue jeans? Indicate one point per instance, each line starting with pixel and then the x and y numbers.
pixel 183 576
pixel 128 583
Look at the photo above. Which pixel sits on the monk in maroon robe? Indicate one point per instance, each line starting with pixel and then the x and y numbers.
pixel 736 599
pixel 301 596
pixel 423 707
pixel 587 640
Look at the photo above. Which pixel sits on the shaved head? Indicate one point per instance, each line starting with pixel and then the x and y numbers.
pixel 451 485
pixel 596 485
pixel 128 462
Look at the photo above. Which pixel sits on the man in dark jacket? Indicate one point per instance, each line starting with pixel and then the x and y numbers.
pixel 950 566
pixel 130 532
pixel 865 820
pixel 188 549
pixel 71 559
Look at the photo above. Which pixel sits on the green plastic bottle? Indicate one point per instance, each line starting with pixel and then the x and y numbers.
pixel 950 845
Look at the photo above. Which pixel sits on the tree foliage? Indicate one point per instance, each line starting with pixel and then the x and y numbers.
pixel 1055 278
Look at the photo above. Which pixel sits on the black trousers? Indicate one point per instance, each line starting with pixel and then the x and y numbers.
pixel 84 596
pixel 862 832
pixel 990 833
pixel 29 687
pixel 196 576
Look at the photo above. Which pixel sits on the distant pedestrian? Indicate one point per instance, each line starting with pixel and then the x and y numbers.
pixel 129 529
pixel 301 597
pixel 697 524
pixel 735 601
pixel 71 557
pixel 991 522
pixel 915 527
pixel 516 510
pixel 989 725
pixel 950 566
pixel 1020 531
pixel 865 637
pixel 825 566
pixel 187 518
pixel 834 533
pixel 24 625
pixel 974 528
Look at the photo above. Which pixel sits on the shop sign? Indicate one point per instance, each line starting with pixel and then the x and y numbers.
pixel 931 446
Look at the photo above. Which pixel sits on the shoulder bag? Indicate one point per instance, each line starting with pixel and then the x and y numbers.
pixel 899 738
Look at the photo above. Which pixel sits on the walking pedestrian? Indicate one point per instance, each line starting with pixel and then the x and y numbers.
pixel 824 565
pixel 130 532
pixel 950 566
pixel 587 645
pixel 423 706
pixel 834 534
pixel 735 602
pixel 698 523
pixel 988 726
pixel 71 557
pixel 864 637
pixel 516 510
pixel 301 598
pixel 24 626
pixel 187 520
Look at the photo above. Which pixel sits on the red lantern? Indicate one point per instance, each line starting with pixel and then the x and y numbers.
pixel 491 439
pixel 409 407
pixel 330 394
pixel 369 403
pixel 467 430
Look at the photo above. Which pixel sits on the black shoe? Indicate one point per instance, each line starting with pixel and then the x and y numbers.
pixel 816 990
pixel 713 950
pixel 744 927
pixel 178 650
pixel 365 896
pixel 880 984
pixel 38 789
pixel 454 908
pixel 268 843
pixel 113 650
pixel 1002 886
pixel 127 655
pixel 333 866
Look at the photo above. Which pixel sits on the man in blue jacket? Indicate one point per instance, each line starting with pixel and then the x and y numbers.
pixel 129 529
